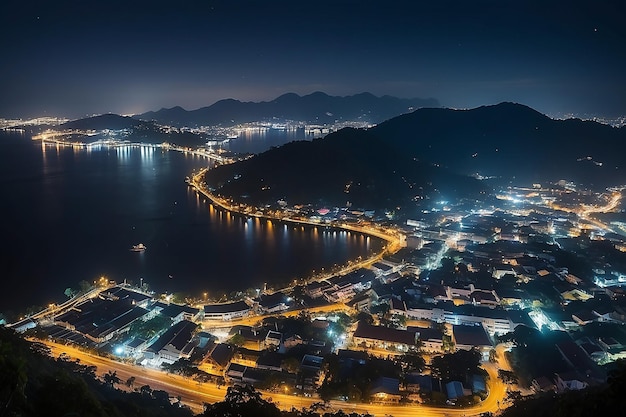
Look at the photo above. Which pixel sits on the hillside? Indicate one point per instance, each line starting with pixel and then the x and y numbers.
pixel 511 141
pixel 429 153
pixel 351 165
pixel 318 108
pixel 593 401
pixel 34 384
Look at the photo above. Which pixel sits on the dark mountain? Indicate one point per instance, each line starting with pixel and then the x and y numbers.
pixel 350 165
pixel 314 108
pixel 511 140
pixel 426 154
pixel 104 121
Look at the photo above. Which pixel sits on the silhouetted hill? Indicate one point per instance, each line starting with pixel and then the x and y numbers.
pixel 397 161
pixel 314 108
pixel 101 122
pixel 350 165
pixel 511 140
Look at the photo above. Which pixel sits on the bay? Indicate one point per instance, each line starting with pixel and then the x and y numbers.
pixel 260 140
pixel 73 214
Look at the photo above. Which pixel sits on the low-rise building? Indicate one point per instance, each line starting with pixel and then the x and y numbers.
pixel 380 337
pixel 455 390
pixel 270 361
pixel 273 303
pixel 431 340
pixel 101 318
pixel 273 338
pixel 173 344
pixel 178 312
pixel 234 372
pixel 221 355
pixel 385 390
pixel 226 311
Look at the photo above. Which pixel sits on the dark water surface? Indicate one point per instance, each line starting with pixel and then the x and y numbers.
pixel 73 214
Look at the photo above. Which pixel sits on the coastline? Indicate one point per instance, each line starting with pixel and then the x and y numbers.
pixel 312 272
pixel 394 243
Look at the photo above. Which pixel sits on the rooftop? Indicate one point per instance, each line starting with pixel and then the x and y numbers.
pixel 178 335
pixel 471 336
pixel 226 307
pixel 367 331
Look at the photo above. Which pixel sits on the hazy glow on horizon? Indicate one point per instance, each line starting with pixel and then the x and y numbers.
pixel 71 59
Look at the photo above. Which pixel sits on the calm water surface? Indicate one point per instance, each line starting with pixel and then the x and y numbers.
pixel 70 215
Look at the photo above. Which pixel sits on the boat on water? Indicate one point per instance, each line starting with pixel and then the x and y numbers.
pixel 140 247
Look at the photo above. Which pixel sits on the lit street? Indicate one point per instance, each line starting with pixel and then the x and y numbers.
pixel 194 394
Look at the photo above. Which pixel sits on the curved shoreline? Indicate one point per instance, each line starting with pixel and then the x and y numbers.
pixel 394 243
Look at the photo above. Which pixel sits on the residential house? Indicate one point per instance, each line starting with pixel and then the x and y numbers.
pixel 385 390
pixel 380 337
pixel 221 355
pixel 273 338
pixel 543 384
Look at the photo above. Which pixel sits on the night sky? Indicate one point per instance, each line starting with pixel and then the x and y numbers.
pixel 76 58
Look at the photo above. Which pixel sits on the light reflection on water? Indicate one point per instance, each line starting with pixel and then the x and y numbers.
pixel 73 215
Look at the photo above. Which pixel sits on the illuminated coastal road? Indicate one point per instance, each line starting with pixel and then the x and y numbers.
pixel 54 309
pixel 56 138
pixel 192 393
pixel 195 394
pixel 393 238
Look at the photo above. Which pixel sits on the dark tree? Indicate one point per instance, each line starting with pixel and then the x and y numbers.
pixel 456 366
pixel 412 362
pixel 242 402
pixel 111 378
pixel 508 377
pixel 146 390
pixel 365 317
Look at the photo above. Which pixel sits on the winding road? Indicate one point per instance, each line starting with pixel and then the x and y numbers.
pixel 195 394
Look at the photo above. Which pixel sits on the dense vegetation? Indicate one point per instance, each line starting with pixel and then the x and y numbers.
pixel 34 384
pixel 512 141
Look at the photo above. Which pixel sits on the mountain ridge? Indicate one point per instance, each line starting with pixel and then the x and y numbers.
pixel 509 139
pixel 317 107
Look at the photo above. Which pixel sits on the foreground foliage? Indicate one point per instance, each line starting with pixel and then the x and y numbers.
pixel 34 384
pixel 600 400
